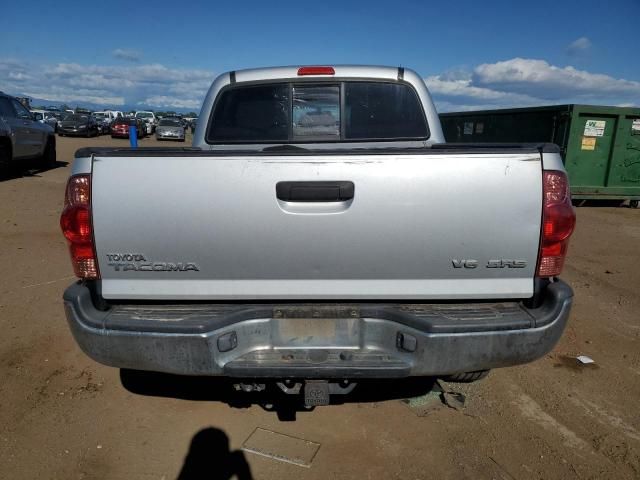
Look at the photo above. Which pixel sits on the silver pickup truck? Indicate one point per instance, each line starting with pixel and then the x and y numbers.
pixel 318 232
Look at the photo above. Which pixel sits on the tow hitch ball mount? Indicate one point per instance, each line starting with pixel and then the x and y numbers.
pixel 316 392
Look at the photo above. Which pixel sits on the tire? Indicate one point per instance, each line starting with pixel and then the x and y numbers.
pixel 48 159
pixel 5 161
pixel 633 203
pixel 61 134
pixel 466 377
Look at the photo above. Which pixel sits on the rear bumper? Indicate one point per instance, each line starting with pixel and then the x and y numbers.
pixel 348 340
pixel 169 137
pixel 73 132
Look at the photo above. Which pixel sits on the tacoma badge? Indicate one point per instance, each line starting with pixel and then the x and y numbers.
pixel 137 262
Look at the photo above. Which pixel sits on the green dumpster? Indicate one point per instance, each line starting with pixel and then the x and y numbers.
pixel 600 145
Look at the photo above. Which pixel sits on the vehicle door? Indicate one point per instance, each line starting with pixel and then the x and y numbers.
pixel 18 128
pixel 33 131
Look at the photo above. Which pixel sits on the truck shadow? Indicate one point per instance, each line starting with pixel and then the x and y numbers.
pixel 214 389
pixel 209 457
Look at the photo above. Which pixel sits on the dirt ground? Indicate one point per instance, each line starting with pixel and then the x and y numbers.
pixel 62 416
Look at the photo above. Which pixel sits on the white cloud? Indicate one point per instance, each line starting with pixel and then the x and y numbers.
pixel 18 76
pixel 539 78
pixel 152 85
pixel 523 82
pixel 510 83
pixel 127 54
pixel 438 85
pixel 579 46
pixel 77 97
pixel 169 102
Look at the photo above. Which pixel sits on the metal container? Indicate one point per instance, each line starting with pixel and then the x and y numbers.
pixel 600 145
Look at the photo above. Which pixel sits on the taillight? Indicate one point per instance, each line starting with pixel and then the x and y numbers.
pixel 316 71
pixel 558 221
pixel 77 227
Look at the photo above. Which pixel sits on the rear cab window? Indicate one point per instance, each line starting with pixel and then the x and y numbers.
pixel 314 112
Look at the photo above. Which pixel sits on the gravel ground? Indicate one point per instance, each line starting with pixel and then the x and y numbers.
pixel 64 416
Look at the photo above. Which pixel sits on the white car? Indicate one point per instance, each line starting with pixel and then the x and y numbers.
pixel 44 116
pixel 149 119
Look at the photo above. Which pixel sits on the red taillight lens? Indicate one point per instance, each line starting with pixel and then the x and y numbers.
pixel 76 224
pixel 77 228
pixel 558 222
pixel 316 71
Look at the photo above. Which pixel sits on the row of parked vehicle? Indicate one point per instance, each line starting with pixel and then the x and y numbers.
pixel 90 124
pixel 28 136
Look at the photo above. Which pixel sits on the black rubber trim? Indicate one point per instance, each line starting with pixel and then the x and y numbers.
pixel 291 150
pixel 400 73
pixel 324 191
pixel 497 147
pixel 232 76
pixel 197 318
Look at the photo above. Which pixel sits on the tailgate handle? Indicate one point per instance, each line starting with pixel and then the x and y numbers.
pixel 315 191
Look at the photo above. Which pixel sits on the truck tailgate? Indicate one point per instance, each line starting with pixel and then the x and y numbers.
pixel 210 227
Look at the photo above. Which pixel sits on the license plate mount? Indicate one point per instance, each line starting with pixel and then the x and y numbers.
pixel 316 327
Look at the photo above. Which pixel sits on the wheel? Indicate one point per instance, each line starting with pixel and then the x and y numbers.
pixel 466 377
pixel 633 203
pixel 48 159
pixel 61 134
pixel 5 161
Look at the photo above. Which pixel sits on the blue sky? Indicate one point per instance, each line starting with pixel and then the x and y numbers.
pixel 164 54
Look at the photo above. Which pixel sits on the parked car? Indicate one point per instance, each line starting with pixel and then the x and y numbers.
pixel 113 114
pixel 150 121
pixel 307 254
pixel 120 127
pixel 22 137
pixel 104 121
pixel 77 124
pixel 44 116
pixel 170 129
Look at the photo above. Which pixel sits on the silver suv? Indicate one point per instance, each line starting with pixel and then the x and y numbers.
pixel 22 137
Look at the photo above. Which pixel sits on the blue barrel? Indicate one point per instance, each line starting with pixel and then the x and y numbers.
pixel 133 134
